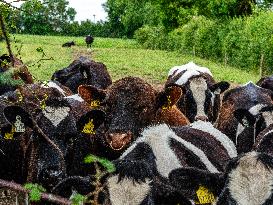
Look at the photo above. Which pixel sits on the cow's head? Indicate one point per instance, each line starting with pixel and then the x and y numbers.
pixel 201 99
pixel 130 105
pixel 240 184
pixel 251 123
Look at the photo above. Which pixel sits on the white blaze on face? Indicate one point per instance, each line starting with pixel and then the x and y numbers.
pixel 251 181
pixel 56 114
pixel 127 192
pixel 198 87
pixel 75 97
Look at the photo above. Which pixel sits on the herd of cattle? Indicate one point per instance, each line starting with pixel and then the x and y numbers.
pixel 194 142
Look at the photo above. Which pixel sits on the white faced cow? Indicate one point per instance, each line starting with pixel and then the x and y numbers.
pixel 201 99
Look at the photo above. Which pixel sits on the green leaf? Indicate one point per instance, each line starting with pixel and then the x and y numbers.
pixel 35 191
pixel 40 49
pixel 108 165
pixel 77 199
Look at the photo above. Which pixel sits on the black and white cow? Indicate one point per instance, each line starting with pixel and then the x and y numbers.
pixel 247 180
pixel 201 99
pixel 245 112
pixel 83 71
pixel 143 169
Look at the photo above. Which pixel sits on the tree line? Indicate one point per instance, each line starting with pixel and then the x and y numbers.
pixel 125 17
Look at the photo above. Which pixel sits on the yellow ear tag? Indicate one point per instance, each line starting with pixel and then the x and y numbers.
pixel 42 103
pixel 20 96
pixel 9 136
pixel 95 104
pixel 89 128
pixel 204 196
pixel 168 105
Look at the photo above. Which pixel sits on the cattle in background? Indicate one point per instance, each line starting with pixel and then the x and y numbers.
pixel 89 40
pixel 245 112
pixel 247 180
pixel 142 170
pixel 201 99
pixel 266 82
pixel 69 44
pixel 83 71
pixel 131 104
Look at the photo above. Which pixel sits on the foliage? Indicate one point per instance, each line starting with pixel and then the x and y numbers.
pixel 47 17
pixel 77 199
pixel 109 166
pixel 126 16
pixel 152 37
pixel 7 79
pixel 246 42
pixel 35 191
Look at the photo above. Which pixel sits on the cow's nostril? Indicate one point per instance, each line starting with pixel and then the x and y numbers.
pixel 202 118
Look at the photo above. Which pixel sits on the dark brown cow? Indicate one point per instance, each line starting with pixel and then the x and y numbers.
pixel 83 71
pixel 130 105
pixel 245 112
pixel 201 99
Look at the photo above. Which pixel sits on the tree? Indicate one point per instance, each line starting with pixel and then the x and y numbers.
pixel 179 12
pixel 126 16
pixel 47 17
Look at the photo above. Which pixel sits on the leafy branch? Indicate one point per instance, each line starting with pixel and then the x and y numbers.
pixel 100 174
pixel 44 196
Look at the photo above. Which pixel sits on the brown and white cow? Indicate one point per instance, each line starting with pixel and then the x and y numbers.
pixel 130 105
pixel 245 112
pixel 201 95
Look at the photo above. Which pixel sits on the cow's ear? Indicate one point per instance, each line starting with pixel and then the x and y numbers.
pixel 220 87
pixel 245 117
pixel 18 117
pixel 189 181
pixel 169 97
pixel 91 94
pixel 89 122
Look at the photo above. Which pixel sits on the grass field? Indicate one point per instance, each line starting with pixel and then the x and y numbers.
pixel 122 57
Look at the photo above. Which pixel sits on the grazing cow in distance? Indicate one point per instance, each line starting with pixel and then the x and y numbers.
pixel 142 170
pixel 69 44
pixel 266 82
pixel 131 104
pixel 247 180
pixel 201 99
pixel 89 40
pixel 245 112
pixel 83 71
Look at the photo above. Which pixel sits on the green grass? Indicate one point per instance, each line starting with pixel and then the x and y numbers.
pixel 122 57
